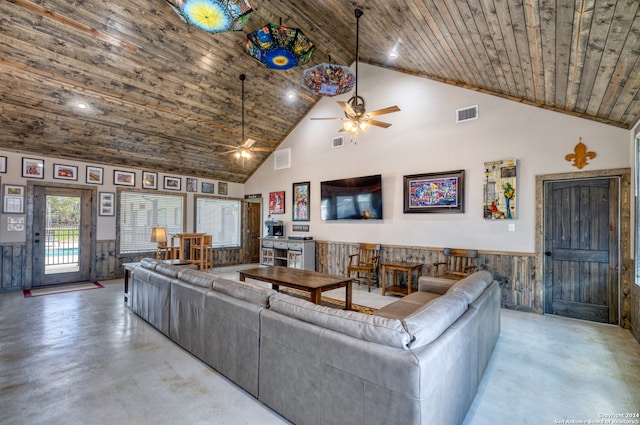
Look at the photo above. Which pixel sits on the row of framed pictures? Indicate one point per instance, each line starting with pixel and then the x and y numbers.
pixel 34 169
pixel 301 202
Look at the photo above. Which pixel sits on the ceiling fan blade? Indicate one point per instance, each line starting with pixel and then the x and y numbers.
pixel 248 143
pixel 347 108
pixel 383 111
pixel 377 123
pixel 257 149
pixel 328 118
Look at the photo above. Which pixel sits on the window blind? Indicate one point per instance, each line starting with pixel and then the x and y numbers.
pixel 221 218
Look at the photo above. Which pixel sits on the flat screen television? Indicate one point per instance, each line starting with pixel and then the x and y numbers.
pixel 358 198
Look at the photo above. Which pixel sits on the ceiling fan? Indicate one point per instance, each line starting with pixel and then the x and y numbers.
pixel 356 117
pixel 244 151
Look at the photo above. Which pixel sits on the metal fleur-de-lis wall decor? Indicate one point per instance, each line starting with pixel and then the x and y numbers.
pixel 580 155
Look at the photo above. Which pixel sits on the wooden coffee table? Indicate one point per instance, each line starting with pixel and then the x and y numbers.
pixel 304 280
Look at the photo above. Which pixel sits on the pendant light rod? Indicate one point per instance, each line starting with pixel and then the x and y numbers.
pixel 359 13
pixel 242 78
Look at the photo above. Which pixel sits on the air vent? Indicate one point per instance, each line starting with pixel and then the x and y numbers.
pixel 467 114
pixel 337 142
pixel 282 159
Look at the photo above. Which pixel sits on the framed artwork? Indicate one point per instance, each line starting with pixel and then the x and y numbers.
pixel 208 187
pixel 276 202
pixel 301 201
pixel 124 178
pixel 192 184
pixel 107 203
pixel 172 183
pixel 65 172
pixel 149 180
pixel 95 175
pixel 3 164
pixel 13 199
pixel 434 192
pixel 223 188
pixel 500 190
pixel 32 168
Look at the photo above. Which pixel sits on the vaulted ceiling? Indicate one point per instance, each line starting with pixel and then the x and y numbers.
pixel 166 96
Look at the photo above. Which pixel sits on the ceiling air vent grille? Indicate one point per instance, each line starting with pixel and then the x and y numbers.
pixel 282 159
pixel 467 114
pixel 337 142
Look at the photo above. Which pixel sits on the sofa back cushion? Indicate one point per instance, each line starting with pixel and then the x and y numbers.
pixel 246 291
pixel 473 285
pixel 380 330
pixel 196 278
pixel 430 321
pixel 149 263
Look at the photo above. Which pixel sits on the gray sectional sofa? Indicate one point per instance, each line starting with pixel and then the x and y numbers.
pixel 417 361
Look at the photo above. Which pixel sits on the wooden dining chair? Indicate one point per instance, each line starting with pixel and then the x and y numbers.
pixel 201 253
pixel 365 263
pixel 457 264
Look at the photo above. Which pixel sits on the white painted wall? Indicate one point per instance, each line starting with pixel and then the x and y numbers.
pixel 425 138
pixel 106 226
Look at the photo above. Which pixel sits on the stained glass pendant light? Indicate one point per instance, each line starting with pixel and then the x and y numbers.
pixel 279 47
pixel 214 15
pixel 328 79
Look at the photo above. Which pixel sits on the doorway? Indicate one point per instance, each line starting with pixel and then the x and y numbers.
pixel 61 230
pixel 581 252
pixel 254 215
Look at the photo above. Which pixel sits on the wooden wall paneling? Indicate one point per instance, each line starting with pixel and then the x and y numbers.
pixel 107 265
pixel 12 267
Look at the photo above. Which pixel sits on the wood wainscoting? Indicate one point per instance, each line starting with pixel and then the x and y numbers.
pixel 12 266
pixel 515 272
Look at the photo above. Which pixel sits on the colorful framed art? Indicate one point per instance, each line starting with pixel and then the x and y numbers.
pixel 500 184
pixel 434 192
pixel 208 187
pixel 223 188
pixel 65 172
pixel 13 199
pixel 301 201
pixel 124 178
pixel 149 180
pixel 172 183
pixel 95 175
pixel 32 168
pixel 192 184
pixel 276 202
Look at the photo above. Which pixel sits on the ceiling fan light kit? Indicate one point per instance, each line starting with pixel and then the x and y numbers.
pixel 356 119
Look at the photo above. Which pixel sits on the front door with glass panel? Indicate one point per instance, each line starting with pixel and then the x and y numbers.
pixel 61 240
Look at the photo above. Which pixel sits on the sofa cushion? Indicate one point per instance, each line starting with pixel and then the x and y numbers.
pixel 149 263
pixel 472 286
pixel 196 278
pixel 380 330
pixel 167 270
pixel 406 306
pixel 432 319
pixel 246 291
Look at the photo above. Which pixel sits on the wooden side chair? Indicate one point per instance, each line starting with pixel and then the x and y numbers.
pixel 458 263
pixel 365 262
pixel 201 253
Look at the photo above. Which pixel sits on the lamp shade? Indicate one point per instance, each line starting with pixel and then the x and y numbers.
pixel 328 79
pixel 159 234
pixel 279 47
pixel 214 15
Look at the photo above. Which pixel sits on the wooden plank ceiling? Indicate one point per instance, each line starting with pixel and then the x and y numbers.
pixel 165 96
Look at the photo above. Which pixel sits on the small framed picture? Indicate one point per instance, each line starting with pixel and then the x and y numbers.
pixel 192 184
pixel 33 168
pixel 3 164
pixel 13 199
pixel 149 180
pixel 107 203
pixel 65 172
pixel 172 183
pixel 124 178
pixel 276 202
pixel 208 187
pixel 301 201
pixel 223 188
pixel 95 175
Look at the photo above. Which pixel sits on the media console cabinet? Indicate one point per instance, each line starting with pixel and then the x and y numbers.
pixel 296 254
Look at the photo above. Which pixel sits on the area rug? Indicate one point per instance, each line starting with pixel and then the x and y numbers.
pixel 328 302
pixel 61 289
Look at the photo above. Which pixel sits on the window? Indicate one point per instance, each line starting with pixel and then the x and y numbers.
pixel 220 218
pixel 140 211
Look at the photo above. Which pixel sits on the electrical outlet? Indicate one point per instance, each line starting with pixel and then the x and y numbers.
pixel 512 227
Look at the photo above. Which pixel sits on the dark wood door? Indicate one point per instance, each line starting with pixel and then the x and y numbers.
pixel 581 249
pixel 253 247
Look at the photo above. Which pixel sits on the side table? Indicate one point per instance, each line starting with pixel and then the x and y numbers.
pixel 395 267
pixel 127 268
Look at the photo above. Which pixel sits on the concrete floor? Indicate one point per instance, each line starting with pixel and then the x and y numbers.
pixel 84 358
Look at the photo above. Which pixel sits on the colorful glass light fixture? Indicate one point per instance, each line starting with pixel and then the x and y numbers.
pixel 214 15
pixel 328 79
pixel 279 47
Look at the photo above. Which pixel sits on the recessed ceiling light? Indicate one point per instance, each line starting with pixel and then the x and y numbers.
pixel 82 105
pixel 393 53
